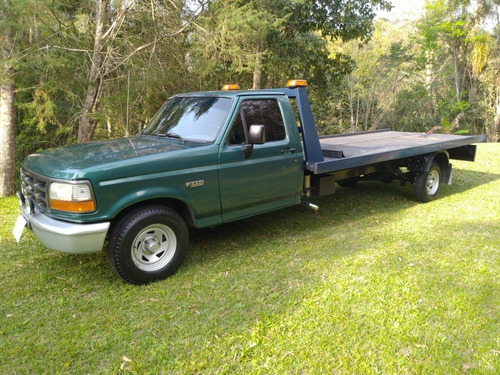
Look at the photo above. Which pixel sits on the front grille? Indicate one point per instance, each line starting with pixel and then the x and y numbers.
pixel 34 188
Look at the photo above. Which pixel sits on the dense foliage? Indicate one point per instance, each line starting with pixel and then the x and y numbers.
pixel 100 68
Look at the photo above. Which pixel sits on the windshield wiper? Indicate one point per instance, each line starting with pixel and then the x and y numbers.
pixel 170 135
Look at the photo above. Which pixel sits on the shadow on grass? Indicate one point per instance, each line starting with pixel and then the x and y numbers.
pixel 283 228
pixel 347 206
pixel 464 180
pixel 279 229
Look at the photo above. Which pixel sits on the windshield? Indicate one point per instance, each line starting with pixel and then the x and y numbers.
pixel 197 119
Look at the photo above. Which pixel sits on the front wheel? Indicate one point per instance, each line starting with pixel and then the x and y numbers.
pixel 148 244
pixel 427 184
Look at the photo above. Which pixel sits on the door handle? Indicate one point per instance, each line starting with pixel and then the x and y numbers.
pixel 288 149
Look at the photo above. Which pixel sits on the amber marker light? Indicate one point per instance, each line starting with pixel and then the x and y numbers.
pixel 230 87
pixel 296 83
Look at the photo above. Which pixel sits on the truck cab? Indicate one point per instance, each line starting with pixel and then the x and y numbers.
pixel 206 158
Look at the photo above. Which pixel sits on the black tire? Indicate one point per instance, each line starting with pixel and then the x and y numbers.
pixel 148 244
pixel 427 184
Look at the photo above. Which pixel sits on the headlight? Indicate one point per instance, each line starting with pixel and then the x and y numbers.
pixel 71 197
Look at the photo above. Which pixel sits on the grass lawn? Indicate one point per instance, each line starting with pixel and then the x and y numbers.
pixel 373 283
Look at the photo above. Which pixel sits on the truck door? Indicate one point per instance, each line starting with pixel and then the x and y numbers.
pixel 271 177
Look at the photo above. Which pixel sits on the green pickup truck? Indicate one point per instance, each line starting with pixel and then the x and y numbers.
pixel 207 158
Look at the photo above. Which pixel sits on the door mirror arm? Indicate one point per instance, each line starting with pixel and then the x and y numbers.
pixel 247 151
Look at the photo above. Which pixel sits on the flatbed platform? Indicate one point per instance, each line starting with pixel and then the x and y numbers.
pixel 358 149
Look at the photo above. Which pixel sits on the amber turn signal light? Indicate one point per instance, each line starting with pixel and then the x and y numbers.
pixel 74 206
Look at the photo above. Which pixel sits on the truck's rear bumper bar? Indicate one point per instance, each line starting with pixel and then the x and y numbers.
pixel 66 237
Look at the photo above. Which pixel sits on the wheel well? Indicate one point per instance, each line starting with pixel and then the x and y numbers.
pixel 442 160
pixel 180 207
pixel 422 163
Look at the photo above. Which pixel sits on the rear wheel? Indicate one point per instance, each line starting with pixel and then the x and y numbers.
pixel 148 244
pixel 427 184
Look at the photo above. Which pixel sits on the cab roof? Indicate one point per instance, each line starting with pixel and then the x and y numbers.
pixel 234 93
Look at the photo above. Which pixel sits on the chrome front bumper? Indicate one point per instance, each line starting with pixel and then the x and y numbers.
pixel 63 236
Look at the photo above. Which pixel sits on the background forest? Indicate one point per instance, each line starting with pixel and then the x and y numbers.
pixel 77 70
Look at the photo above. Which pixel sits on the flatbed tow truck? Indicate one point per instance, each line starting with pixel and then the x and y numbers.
pixel 207 158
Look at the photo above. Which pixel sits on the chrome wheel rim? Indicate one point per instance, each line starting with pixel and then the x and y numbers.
pixel 154 247
pixel 432 182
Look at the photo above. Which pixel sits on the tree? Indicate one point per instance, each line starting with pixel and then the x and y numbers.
pixel 7 97
pixel 123 30
pixel 49 75
pixel 8 139
pixel 145 77
pixel 378 75
pixel 108 21
pixel 492 76
pixel 232 41
pixel 55 86
pixel 267 40
pixel 454 31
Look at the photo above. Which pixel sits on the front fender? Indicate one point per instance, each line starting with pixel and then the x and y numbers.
pixel 148 194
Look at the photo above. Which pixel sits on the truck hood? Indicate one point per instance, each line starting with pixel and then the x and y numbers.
pixel 64 161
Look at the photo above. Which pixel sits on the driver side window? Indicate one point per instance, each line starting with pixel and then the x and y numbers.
pixel 261 112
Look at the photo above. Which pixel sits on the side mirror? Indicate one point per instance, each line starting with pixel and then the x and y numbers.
pixel 256 136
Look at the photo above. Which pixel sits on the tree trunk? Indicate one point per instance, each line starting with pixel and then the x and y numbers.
pixel 429 78
pixel 87 124
pixel 8 140
pixel 456 77
pixel 257 71
pixel 352 80
pixel 495 127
